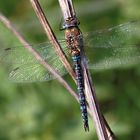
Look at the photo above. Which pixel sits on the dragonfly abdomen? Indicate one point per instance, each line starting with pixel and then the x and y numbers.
pixel 80 87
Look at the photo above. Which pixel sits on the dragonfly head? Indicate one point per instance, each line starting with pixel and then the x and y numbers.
pixel 70 22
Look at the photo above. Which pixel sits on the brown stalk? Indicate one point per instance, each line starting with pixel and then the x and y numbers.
pixel 102 128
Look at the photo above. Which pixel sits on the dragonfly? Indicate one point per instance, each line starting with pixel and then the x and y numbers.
pixel 118 46
pixel 111 48
pixel 75 45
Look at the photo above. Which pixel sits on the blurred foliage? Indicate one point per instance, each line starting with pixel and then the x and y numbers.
pixel 37 111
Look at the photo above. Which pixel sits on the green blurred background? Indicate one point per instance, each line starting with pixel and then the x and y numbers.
pixel 46 111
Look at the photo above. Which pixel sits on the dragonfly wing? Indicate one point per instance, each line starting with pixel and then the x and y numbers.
pixel 110 58
pixel 29 73
pixel 114 47
pixel 117 36
pixel 23 66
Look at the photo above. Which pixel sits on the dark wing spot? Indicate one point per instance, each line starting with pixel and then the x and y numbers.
pixel 15 69
pixel 7 49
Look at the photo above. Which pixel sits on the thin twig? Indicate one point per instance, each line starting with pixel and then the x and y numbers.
pixel 43 20
pixel 8 24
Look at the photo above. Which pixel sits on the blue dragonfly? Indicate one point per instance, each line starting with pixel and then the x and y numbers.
pixel 110 48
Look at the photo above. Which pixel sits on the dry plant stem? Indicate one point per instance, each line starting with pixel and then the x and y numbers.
pixel 43 20
pixel 111 135
pixel 8 24
pixel 103 130
pixel 67 8
pixel 102 127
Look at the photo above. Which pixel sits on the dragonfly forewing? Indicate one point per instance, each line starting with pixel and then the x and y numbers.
pixel 23 66
pixel 117 36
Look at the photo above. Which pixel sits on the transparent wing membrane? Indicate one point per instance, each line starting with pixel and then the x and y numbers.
pixel 25 68
pixel 115 47
pixel 110 58
pixel 118 46
pixel 117 36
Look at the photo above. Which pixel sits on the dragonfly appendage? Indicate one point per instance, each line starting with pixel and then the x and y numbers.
pixel 80 88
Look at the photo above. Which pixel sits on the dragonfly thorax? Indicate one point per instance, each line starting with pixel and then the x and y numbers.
pixel 72 38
